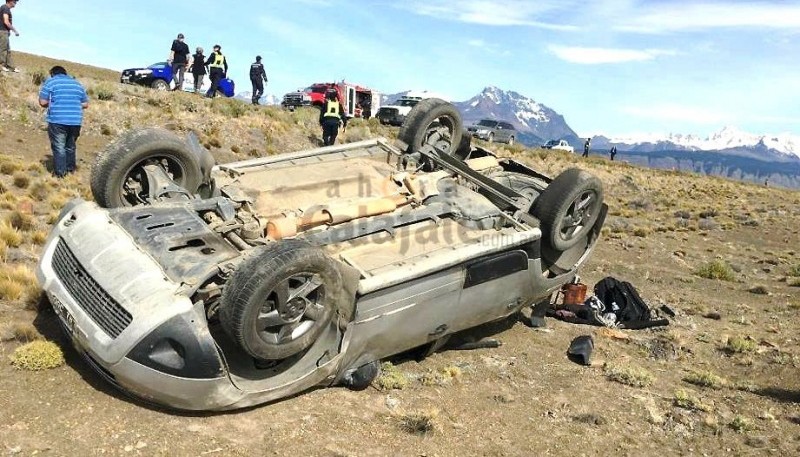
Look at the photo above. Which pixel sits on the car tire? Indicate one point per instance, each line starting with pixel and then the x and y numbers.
pixel 432 121
pixel 117 171
pixel 160 84
pixel 257 309
pixel 568 208
pixel 527 186
pixel 464 148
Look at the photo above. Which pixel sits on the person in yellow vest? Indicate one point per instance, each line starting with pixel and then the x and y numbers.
pixel 331 117
pixel 217 69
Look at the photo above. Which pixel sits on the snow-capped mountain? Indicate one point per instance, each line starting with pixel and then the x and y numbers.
pixel 527 115
pixel 728 138
pixel 536 122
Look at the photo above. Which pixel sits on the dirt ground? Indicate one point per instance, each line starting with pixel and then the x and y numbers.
pixel 721 379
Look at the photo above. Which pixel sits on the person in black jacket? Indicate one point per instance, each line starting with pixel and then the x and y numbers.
pixel 257 75
pixel 179 58
pixel 217 69
pixel 331 117
pixel 198 69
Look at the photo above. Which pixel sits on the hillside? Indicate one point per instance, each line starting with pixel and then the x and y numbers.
pixel 721 379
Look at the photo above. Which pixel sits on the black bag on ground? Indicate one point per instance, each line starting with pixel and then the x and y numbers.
pixel 621 298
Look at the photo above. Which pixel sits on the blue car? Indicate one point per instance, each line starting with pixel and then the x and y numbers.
pixel 159 77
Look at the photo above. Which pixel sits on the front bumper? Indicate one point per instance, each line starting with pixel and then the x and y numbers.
pixel 121 312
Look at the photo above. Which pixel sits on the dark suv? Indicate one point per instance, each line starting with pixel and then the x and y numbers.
pixel 492 130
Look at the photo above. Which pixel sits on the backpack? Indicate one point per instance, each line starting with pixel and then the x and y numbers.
pixel 621 298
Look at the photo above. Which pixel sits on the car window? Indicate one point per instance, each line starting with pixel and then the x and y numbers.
pixel 487 123
pixel 506 125
pixel 158 65
pixel 408 102
pixel 316 90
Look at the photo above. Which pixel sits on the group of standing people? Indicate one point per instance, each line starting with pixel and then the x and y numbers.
pixel 612 152
pixel 215 66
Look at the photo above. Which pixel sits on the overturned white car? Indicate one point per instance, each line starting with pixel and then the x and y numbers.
pixel 217 287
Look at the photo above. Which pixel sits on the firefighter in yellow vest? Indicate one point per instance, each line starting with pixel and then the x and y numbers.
pixel 217 69
pixel 331 117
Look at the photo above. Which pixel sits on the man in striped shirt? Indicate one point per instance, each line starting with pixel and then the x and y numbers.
pixel 65 99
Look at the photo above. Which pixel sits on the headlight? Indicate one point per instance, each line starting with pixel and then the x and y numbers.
pixel 306 98
pixel 483 131
pixel 143 72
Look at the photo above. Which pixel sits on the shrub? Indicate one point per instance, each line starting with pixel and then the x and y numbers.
pixel 38 77
pixel 740 424
pixel 630 376
pixel 391 377
pixel 740 345
pixel 687 400
pixel 37 355
pixel 705 379
pixel 716 270
pixel 104 93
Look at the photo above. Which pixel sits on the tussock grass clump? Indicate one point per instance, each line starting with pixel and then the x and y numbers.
pixel 39 190
pixel 25 332
pixel 686 399
pixel 21 180
pixel 441 377
pixel 641 232
pixel 740 345
pixel 758 290
pixel 705 379
pixel 391 378
pixel 716 270
pixel 21 221
pixel 37 355
pixel 793 282
pixel 794 271
pixel 420 423
pixel 9 166
pixel 630 376
pixel 10 235
pixel 39 237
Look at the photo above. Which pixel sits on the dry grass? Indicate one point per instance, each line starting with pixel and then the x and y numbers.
pixel 37 356
pixel 9 166
pixel 23 222
pixel 40 190
pixel 420 423
pixel 39 237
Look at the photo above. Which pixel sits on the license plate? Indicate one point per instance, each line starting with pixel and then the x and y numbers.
pixel 63 313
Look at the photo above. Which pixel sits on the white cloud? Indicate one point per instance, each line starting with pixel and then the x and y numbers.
pixel 675 112
pixel 668 17
pixel 493 13
pixel 593 56
pixel 477 43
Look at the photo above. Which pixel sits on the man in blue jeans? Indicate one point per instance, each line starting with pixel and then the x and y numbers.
pixel 65 99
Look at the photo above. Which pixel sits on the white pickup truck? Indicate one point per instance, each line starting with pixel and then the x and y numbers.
pixel 558 144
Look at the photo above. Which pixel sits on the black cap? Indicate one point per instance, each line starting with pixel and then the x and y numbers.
pixel 180 36
pixel 216 46
pixel 258 58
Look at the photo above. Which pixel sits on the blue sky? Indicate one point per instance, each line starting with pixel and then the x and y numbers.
pixel 611 67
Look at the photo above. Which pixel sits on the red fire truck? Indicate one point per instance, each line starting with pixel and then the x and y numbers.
pixel 357 101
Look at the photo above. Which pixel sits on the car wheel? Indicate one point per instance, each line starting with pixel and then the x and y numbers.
pixel 511 141
pixel 280 299
pixel 435 122
pixel 118 177
pixel 160 84
pixel 464 148
pixel 527 186
pixel 568 208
